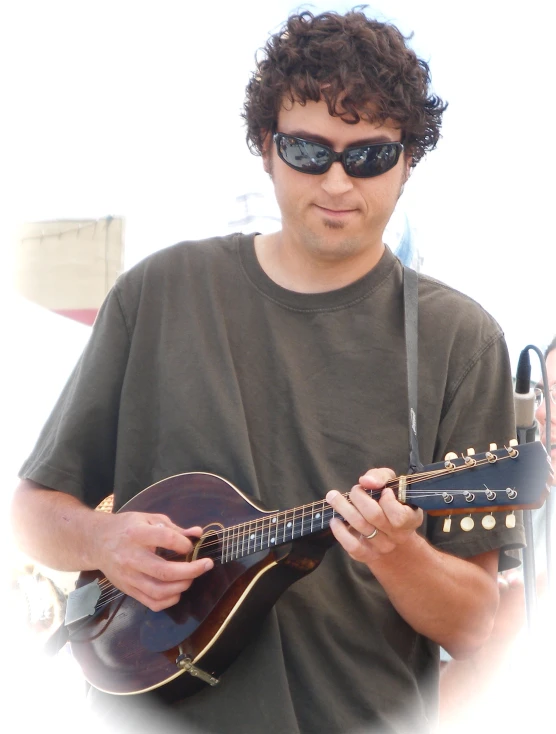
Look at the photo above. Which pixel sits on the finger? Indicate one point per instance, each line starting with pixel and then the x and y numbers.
pixel 376 478
pixel 159 520
pixel 163 536
pixel 398 515
pixel 349 541
pixel 359 547
pixel 155 603
pixel 168 571
pixel 369 509
pixel 349 511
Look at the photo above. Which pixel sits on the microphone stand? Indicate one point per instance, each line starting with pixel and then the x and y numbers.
pixel 527 435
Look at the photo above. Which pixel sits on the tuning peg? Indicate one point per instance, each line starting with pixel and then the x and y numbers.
pixel 488 521
pixel 493 447
pixel 514 442
pixel 448 460
pixel 470 452
pixel 467 523
pixel 513 453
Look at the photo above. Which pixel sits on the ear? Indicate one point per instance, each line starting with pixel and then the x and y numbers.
pixel 266 153
pixel 408 167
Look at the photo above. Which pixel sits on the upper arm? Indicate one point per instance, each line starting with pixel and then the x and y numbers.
pixel 488 561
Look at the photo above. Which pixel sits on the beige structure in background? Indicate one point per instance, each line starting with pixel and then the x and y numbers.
pixel 68 266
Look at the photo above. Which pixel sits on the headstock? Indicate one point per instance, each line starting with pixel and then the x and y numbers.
pixel 513 477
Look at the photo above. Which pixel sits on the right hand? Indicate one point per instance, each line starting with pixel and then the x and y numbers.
pixel 125 547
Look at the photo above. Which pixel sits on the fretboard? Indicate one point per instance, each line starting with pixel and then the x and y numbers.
pixel 275 529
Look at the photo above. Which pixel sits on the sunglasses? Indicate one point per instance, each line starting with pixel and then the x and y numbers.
pixel 359 161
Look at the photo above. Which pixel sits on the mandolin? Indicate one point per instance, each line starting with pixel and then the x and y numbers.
pixel 125 648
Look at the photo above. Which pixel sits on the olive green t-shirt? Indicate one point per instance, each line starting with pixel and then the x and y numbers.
pixel 198 361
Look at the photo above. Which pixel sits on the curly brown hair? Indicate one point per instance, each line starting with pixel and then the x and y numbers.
pixel 361 68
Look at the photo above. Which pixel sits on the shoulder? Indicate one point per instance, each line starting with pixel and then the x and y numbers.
pixel 183 256
pixel 172 281
pixel 456 309
pixel 176 271
pixel 457 335
pixel 453 319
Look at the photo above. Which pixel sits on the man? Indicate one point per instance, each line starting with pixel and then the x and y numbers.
pixel 278 362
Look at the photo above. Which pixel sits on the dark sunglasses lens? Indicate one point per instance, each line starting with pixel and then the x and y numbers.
pixel 303 155
pixel 371 160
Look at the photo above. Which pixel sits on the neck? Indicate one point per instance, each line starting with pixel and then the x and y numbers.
pixel 312 268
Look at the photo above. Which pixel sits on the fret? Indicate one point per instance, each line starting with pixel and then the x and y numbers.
pixel 252 537
pixel 246 538
pixel 288 526
pixel 273 530
pixel 302 518
pixel 233 543
pixel 224 556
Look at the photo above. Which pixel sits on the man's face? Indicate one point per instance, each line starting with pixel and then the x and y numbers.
pixel 541 411
pixel 333 215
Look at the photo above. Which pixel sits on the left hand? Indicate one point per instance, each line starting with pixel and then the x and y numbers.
pixel 394 522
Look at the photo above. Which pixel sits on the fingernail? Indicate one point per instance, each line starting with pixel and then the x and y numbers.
pixel 208 565
pixel 331 495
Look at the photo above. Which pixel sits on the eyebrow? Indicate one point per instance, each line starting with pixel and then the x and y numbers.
pixel 368 140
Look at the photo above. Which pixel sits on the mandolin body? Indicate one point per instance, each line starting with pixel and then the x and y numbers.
pixel 125 648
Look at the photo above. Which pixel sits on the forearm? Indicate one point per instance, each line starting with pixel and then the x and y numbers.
pixel 54 528
pixel 450 600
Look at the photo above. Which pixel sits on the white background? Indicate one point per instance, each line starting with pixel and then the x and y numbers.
pixel 111 107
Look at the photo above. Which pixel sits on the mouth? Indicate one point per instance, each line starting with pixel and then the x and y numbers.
pixel 335 213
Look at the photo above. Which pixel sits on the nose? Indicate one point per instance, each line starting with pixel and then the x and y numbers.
pixel 336 181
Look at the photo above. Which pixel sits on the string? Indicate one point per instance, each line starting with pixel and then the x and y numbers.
pixel 213 548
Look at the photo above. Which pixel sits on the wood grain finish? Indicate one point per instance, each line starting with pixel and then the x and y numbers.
pixel 126 648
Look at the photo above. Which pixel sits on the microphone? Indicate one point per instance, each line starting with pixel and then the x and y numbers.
pixel 524 400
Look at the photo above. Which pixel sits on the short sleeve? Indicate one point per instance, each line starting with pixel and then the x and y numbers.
pixel 75 452
pixel 479 412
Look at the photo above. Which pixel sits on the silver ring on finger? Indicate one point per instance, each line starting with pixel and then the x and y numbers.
pixel 372 535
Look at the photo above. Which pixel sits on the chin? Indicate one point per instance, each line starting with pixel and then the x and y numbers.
pixel 337 246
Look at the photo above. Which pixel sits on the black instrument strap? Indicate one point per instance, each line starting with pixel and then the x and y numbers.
pixel 411 309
